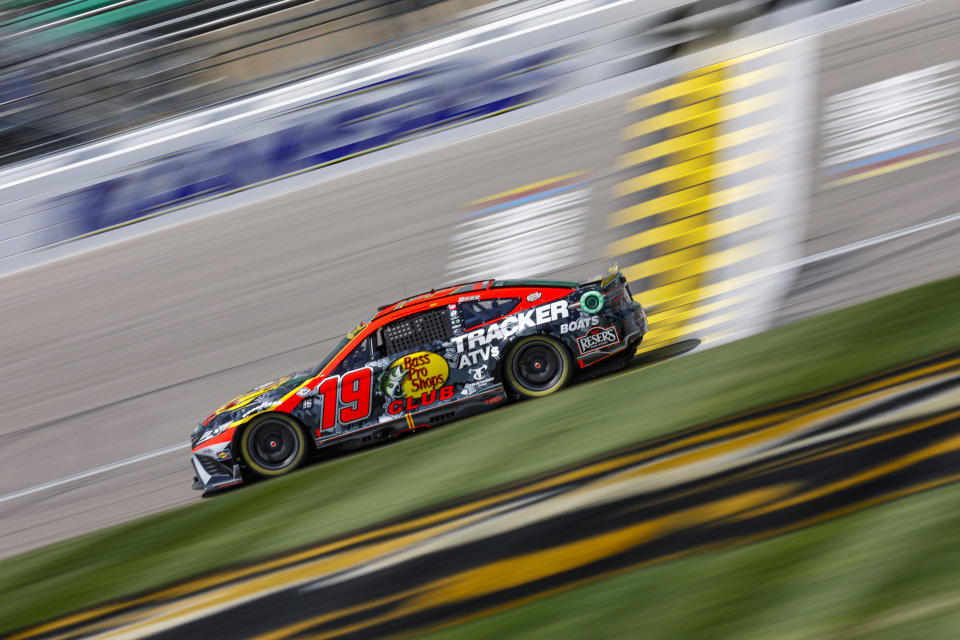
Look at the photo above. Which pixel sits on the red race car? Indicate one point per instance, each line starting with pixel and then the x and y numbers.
pixel 421 362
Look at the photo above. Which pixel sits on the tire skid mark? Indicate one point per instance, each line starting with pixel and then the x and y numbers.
pixel 755 474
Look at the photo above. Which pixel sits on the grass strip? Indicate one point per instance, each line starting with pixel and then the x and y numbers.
pixel 886 573
pixel 479 453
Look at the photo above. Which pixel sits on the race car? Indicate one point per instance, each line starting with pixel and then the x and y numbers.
pixel 422 362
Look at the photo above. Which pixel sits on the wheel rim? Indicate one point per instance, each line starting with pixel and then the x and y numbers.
pixel 273 444
pixel 537 366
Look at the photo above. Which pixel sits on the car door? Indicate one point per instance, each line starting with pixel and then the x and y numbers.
pixel 346 399
pixel 479 349
pixel 416 375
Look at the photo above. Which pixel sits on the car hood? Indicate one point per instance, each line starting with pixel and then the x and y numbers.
pixel 256 400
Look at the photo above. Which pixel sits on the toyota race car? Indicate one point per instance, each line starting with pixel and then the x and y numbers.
pixel 421 362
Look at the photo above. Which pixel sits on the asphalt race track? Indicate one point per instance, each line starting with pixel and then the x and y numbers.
pixel 730 482
pixel 118 352
pixel 123 350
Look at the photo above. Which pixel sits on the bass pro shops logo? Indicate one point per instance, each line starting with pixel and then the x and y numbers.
pixel 412 375
pixel 597 338
pixel 416 381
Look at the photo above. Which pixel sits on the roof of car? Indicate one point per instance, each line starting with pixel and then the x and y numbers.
pixel 471 287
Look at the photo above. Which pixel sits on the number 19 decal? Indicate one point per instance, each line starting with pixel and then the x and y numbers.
pixel 355 389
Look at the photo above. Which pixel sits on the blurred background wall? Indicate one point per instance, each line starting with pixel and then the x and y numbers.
pixel 71 72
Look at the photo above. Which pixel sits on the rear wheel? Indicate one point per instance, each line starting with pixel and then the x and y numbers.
pixel 273 445
pixel 538 366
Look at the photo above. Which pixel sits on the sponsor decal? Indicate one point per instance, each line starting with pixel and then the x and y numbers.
pixel 410 403
pixel 271 385
pixel 510 326
pixel 478 355
pixel 303 392
pixel 415 374
pixel 597 338
pixel 473 387
pixel 307 404
pixel 479 373
pixel 392 382
pixel 533 297
pixel 579 325
pixel 468 298
pixel 250 396
pixel 454 317
pixel 224 455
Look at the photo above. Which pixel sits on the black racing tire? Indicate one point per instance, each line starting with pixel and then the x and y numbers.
pixel 537 366
pixel 273 445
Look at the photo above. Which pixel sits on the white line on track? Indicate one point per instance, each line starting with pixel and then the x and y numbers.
pixel 823 255
pixel 869 242
pixel 92 472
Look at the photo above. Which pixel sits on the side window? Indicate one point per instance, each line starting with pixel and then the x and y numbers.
pixel 416 331
pixel 362 353
pixel 478 312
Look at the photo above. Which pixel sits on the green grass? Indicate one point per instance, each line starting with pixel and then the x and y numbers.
pixel 479 453
pixel 891 572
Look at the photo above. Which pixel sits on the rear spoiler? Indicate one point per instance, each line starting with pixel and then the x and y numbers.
pixel 613 275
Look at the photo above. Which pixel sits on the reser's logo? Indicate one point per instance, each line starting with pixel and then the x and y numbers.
pixel 597 338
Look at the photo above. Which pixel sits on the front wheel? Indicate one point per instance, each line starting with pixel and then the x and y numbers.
pixel 273 445
pixel 537 366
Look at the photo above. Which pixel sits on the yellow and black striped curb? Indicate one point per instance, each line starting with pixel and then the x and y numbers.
pixel 697 200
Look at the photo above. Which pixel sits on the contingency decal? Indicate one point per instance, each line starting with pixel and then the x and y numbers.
pixel 455 319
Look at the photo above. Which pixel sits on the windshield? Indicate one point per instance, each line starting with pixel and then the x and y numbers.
pixel 330 356
pixel 340 345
